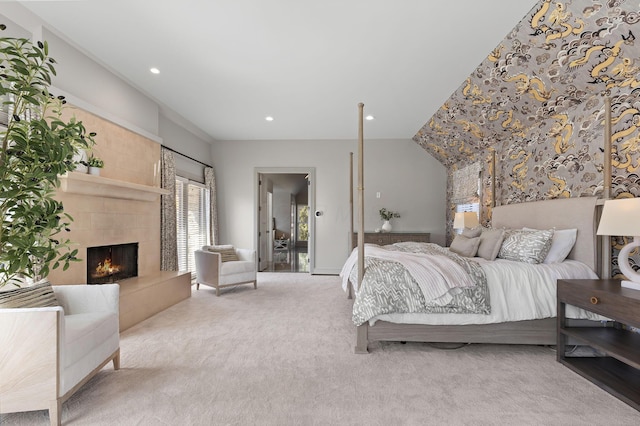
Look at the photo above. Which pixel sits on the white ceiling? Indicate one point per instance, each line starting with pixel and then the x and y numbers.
pixel 226 64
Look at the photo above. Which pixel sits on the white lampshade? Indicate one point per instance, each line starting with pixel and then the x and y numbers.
pixel 620 218
pixel 465 220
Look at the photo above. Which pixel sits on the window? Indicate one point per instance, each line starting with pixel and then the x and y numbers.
pixel 192 211
pixel 303 223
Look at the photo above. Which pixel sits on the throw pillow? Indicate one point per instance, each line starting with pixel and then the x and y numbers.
pixel 490 243
pixel 526 246
pixel 472 232
pixel 466 247
pixel 227 252
pixel 36 296
pixel 561 244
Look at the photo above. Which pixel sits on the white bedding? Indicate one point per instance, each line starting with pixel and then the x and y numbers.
pixel 512 297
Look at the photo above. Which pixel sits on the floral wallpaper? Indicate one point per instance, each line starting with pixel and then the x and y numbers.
pixel 538 102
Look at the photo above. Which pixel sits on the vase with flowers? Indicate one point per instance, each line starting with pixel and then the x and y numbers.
pixel 386 216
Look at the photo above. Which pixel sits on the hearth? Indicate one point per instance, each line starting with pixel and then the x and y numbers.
pixel 108 264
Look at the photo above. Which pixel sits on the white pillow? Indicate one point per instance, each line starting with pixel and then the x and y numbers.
pixel 561 244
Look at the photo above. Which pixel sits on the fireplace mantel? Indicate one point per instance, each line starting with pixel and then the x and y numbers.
pixel 97 186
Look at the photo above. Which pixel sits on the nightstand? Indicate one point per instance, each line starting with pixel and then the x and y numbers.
pixel 618 372
pixel 384 238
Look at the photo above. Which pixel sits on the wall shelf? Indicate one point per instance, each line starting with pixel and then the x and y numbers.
pixel 97 186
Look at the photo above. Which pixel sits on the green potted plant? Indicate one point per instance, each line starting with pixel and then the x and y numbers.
pixel 386 216
pixel 37 147
pixel 95 164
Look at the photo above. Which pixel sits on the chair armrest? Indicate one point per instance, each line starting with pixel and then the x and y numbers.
pixel 29 354
pixel 208 266
pixel 246 254
pixel 80 299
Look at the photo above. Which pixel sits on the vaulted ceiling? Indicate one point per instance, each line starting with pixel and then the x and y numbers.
pixel 541 91
pixel 538 102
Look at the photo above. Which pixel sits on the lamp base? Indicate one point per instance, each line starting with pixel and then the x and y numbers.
pixel 630 284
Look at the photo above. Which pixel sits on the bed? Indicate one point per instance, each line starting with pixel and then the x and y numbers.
pixel 567 213
pixel 496 326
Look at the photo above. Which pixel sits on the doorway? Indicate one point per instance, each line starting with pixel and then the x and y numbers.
pixel 284 229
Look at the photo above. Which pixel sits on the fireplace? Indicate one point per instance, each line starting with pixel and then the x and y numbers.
pixel 109 264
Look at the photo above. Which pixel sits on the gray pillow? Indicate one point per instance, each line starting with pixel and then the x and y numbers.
pixel 467 247
pixel 526 246
pixel 472 232
pixel 490 243
pixel 36 296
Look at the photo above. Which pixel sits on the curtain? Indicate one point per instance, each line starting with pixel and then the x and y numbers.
pixel 210 183
pixel 168 240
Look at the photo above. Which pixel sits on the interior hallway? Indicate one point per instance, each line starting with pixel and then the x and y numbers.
pixel 294 259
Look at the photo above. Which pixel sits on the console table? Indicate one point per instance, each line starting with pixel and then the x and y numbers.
pixel 618 372
pixel 384 238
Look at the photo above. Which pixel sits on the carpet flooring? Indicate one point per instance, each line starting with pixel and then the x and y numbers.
pixel 283 355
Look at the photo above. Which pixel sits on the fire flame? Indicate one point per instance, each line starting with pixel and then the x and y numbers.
pixel 106 268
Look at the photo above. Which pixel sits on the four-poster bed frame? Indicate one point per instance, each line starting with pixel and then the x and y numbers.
pixel 582 213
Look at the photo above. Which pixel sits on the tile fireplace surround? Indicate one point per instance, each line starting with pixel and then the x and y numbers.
pixel 120 206
pixel 101 220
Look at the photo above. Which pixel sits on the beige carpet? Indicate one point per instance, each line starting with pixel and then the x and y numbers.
pixel 283 355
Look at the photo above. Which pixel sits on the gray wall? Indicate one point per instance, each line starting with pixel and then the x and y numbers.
pixel 282 211
pixel 409 182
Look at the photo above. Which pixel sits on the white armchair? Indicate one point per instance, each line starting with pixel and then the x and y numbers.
pixel 47 354
pixel 211 270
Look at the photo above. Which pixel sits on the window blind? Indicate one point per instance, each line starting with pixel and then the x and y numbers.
pixel 466 184
pixel 192 209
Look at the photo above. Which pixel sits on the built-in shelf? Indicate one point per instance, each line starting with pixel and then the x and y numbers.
pixel 98 186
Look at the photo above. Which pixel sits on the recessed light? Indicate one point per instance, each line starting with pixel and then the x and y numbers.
pixel 369 117
pixel 268 118
pixel 154 70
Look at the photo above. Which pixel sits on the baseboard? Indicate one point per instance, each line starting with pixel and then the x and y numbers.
pixel 325 271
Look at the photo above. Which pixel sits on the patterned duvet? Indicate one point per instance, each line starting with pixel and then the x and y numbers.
pixel 392 284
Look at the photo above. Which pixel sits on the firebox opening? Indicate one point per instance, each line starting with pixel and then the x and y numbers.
pixel 109 264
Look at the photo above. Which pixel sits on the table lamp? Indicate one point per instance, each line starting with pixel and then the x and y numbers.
pixel 465 220
pixel 621 217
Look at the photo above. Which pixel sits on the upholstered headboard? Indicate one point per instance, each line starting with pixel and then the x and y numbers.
pixel 561 213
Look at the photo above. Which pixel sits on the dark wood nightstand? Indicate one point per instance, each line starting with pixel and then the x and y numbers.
pixel 618 372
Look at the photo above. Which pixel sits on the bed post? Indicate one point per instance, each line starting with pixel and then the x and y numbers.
pixel 493 178
pixel 349 285
pixel 604 262
pixel 351 201
pixel 362 330
pixel 360 194
pixel 606 193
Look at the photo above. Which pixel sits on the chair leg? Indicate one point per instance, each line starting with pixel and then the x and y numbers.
pixel 116 361
pixel 55 412
pixel 255 285
pixel 197 286
pixel 217 291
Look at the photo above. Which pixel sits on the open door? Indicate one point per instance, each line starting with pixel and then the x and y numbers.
pixel 278 181
pixel 264 225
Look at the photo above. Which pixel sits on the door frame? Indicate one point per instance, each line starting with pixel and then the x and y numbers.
pixel 311 172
